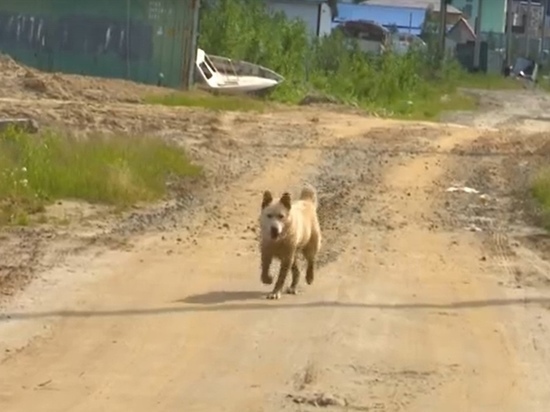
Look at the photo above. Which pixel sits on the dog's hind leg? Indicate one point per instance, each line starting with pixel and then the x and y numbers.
pixel 283 273
pixel 295 278
pixel 310 254
pixel 310 271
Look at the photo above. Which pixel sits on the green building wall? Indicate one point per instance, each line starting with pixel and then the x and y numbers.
pixel 142 40
pixel 493 18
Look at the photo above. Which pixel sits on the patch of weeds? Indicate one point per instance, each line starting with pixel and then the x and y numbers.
pixel 543 83
pixel 540 190
pixel 484 81
pixel 429 108
pixel 208 101
pixel 113 170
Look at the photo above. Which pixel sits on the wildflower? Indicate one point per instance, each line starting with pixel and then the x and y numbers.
pixel 24 169
pixel 24 182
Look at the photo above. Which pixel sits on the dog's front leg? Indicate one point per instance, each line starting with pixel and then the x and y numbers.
pixel 295 278
pixel 283 273
pixel 266 278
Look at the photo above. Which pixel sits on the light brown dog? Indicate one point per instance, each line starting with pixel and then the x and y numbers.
pixel 288 228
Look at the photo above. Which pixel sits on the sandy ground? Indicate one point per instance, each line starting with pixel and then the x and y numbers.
pixel 424 299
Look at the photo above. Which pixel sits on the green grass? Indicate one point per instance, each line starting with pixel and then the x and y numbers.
pixel 543 82
pixel 423 107
pixel 488 82
pixel 112 170
pixel 430 107
pixel 540 190
pixel 208 101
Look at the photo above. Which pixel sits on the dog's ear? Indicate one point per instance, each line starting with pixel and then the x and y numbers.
pixel 267 199
pixel 286 201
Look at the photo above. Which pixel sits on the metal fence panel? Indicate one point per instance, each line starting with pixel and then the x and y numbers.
pixel 465 55
pixel 142 40
pixel 522 46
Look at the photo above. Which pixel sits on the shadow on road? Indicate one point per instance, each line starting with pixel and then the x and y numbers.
pixel 212 298
pixel 216 302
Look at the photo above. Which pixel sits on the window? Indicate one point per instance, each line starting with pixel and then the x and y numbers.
pixel 206 70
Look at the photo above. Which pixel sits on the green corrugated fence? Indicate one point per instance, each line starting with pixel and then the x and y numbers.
pixel 142 40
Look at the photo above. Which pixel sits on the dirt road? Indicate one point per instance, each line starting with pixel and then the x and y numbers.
pixel 424 299
pixel 410 310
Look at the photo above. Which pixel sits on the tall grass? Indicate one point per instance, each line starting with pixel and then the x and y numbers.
pixel 113 170
pixel 245 29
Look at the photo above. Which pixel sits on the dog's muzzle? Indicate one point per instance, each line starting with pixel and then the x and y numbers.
pixel 274 233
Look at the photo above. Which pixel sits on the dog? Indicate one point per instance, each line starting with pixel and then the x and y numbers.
pixel 288 228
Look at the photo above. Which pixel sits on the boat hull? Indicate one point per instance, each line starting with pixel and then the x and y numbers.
pixel 257 78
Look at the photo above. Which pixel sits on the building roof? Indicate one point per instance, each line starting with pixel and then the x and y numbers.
pixel 412 4
pixel 368 30
pixel 463 22
pixel 298 1
pixel 405 19
pixel 458 29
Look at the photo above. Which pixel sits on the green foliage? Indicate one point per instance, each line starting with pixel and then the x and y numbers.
pixel 114 170
pixel 334 65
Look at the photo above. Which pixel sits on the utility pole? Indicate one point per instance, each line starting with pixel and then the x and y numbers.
pixel 477 45
pixel 442 27
pixel 510 23
pixel 544 5
pixel 528 30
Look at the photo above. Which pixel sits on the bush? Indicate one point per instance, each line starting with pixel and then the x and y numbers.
pixel 114 170
pixel 244 29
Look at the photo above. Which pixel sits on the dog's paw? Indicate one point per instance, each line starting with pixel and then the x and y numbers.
pixel 267 280
pixel 292 291
pixel 309 278
pixel 274 296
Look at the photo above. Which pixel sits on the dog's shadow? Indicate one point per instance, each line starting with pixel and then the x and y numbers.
pixel 213 298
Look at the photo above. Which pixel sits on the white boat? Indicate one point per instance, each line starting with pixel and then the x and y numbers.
pixel 224 77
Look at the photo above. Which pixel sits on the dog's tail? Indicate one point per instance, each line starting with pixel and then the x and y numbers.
pixel 309 193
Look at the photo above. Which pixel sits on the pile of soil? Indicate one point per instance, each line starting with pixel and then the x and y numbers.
pixel 18 81
pixel 86 103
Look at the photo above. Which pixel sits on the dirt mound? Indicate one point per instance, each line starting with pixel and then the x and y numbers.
pixel 18 81
pixel 85 103
pixel 8 64
pixel 507 142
